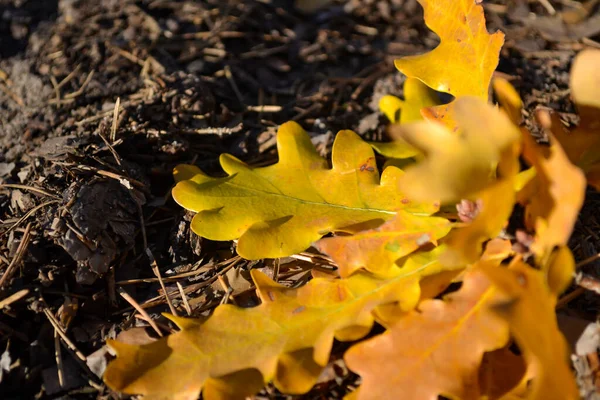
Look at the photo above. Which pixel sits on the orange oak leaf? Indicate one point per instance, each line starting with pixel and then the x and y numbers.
pixel 553 198
pixel 287 338
pixel 582 145
pixel 464 61
pixel 434 351
pixel 527 304
pixel 377 250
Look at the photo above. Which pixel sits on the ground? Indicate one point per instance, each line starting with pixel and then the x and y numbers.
pixel 85 208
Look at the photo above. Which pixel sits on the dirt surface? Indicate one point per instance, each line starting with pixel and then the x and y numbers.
pixel 85 207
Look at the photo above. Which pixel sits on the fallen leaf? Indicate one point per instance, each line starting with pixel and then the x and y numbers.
pixel 560 270
pixel 434 351
pixel 464 61
pixel 458 166
pixel 273 338
pixel 509 99
pixel 528 306
pixel 377 250
pixel 553 198
pixel 417 96
pixel 281 209
pixel 582 145
pixel 465 245
pixel 497 249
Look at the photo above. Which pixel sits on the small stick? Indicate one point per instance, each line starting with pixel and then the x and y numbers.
pixel 59 361
pixel 228 290
pixel 58 329
pixel 29 188
pixel 156 272
pixel 587 261
pixel 546 4
pixel 219 130
pixel 115 122
pixel 13 298
pixel 566 299
pixel 68 77
pixel 139 309
pixel 265 108
pixel 79 91
pixel 12 95
pixel 19 254
pixel 587 282
pixel 186 304
pixel 27 215
pixel 112 150
pixel 56 89
pixel 234 85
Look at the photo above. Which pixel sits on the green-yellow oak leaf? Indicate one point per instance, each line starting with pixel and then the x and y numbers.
pixel 281 209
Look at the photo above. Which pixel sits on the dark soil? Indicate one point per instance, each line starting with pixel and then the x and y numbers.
pixel 85 203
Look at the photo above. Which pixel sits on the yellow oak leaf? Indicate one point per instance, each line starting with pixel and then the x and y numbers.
pixel 582 145
pixel 377 250
pixel 287 338
pixel 528 306
pixel 434 351
pixel 509 99
pixel 281 209
pixel 553 198
pixel 417 96
pixel 560 270
pixel 464 61
pixel 457 166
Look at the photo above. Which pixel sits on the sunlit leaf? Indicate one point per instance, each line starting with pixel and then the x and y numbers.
pixel 458 166
pixel 287 339
pixel 434 351
pixel 582 145
pixel 528 306
pixel 417 96
pixel 553 198
pixel 377 250
pixel 280 210
pixel 464 61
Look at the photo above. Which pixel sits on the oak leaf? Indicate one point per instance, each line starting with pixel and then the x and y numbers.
pixel 377 250
pixel 281 209
pixel 434 351
pixel 287 338
pixel 553 198
pixel 457 166
pixel 464 61
pixel 582 145
pixel 495 205
pixel 417 96
pixel 528 306
pixel 509 99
